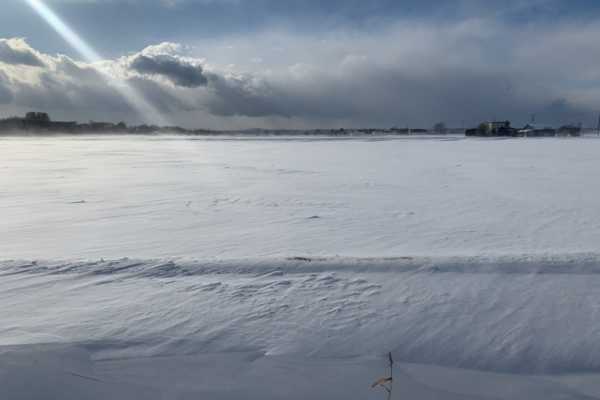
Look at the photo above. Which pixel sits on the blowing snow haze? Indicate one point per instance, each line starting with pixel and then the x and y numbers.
pixel 232 64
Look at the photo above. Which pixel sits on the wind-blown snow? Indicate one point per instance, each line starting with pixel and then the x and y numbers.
pixel 295 320
pixel 172 196
pixel 289 268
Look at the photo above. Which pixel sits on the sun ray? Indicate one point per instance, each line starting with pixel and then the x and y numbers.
pixel 147 111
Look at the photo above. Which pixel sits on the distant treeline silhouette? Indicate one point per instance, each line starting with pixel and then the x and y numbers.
pixel 40 123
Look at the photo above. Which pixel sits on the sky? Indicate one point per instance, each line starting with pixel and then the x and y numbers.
pixel 237 64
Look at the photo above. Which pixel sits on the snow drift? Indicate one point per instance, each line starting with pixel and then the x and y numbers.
pixel 511 314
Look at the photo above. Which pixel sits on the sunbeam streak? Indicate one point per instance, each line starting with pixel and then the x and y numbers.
pixel 146 110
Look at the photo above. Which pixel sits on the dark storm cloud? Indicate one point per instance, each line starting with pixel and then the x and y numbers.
pixel 386 97
pixel 179 72
pixel 242 96
pixel 15 52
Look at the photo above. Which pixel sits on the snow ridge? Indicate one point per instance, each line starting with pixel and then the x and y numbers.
pixel 575 263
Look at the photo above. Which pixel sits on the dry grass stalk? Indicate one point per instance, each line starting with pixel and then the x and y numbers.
pixel 387 383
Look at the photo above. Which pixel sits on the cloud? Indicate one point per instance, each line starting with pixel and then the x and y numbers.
pixel 460 73
pixel 17 52
pixel 247 96
pixel 179 72
pixel 413 74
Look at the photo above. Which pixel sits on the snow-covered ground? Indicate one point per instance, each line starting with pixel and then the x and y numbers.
pixel 175 268
pixel 172 196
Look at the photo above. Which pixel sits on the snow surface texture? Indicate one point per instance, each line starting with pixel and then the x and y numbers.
pixel 167 197
pixel 233 288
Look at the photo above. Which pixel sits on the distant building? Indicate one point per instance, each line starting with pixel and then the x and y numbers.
pixel 37 117
pixel 40 123
pixel 36 120
pixel 101 126
pixel 493 128
pixel 537 130
pixel 12 124
pixel 63 126
pixel 569 130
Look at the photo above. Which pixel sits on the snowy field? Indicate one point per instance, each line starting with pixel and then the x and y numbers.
pixel 177 268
